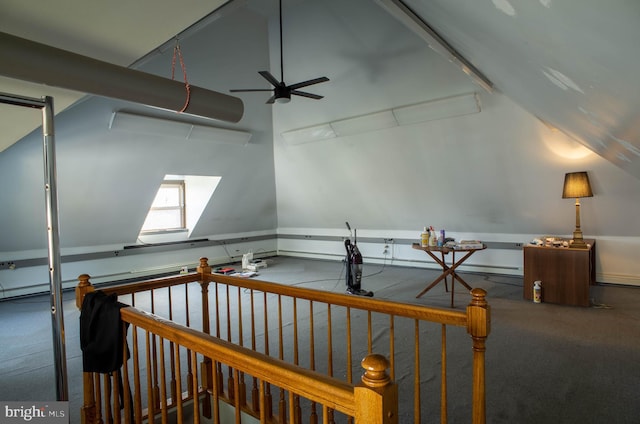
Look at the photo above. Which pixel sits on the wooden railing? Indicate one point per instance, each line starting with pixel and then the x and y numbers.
pixel 281 321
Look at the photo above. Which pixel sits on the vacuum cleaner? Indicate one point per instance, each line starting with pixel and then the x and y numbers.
pixel 354 266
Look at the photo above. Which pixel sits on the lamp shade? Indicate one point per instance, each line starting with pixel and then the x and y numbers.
pixel 576 184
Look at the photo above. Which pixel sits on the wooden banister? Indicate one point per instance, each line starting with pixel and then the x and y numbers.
pixel 310 384
pixel 223 293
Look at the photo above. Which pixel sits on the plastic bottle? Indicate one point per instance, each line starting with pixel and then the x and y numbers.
pixel 441 238
pixel 424 237
pixel 433 239
pixel 537 291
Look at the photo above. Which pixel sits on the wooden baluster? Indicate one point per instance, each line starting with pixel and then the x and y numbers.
pixel 443 376
pixel 163 384
pixel 329 413
pixel 242 387
pixel 128 407
pixel 137 399
pixel 206 368
pixel 188 324
pixel 107 398
pixel 313 419
pixel 376 396
pixel 416 373
pixel 369 333
pixel 172 368
pixel 392 348
pixel 263 401
pixel 155 390
pixel 98 392
pixel 151 399
pixel 178 400
pixel 219 373
pixel 194 390
pixel 297 416
pixel 282 404
pixel 230 382
pixel 293 413
pixel 116 397
pixel 237 405
pixel 217 392
pixel 268 414
pixel 255 404
pixel 479 327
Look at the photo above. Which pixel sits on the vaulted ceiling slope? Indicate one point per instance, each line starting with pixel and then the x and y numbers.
pixel 571 63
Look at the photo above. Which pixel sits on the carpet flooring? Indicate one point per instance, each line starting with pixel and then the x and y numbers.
pixel 545 363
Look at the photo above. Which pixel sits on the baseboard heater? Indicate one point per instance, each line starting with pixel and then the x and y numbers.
pixel 134 249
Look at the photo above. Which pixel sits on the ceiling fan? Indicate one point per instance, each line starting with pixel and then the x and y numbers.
pixel 282 92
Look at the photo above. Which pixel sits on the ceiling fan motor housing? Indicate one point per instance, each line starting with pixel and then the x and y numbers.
pixel 282 94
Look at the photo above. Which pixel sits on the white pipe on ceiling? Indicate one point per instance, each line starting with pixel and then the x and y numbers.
pixel 31 61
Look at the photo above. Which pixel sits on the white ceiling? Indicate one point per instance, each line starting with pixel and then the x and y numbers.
pixel 571 63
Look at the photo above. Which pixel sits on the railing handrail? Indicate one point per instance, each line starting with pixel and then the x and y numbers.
pixel 390 307
pixel 312 385
pixel 401 309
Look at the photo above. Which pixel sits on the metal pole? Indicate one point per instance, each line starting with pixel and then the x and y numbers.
pixel 51 201
pixel 55 276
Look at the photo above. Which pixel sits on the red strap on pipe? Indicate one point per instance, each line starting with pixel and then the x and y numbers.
pixel 178 53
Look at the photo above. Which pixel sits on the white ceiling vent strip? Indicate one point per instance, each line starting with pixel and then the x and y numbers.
pixel 432 110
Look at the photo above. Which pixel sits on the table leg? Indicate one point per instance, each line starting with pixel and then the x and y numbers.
pixel 445 268
pixel 446 272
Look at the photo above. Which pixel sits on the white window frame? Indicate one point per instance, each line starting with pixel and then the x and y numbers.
pixel 180 185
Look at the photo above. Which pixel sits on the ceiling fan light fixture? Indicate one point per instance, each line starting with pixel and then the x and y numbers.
pixel 281 91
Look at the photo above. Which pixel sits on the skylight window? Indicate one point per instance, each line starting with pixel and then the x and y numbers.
pixel 178 206
pixel 168 208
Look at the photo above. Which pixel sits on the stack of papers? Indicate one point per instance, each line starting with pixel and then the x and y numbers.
pixel 469 244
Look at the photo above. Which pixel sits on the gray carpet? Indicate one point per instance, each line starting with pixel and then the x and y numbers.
pixel 545 363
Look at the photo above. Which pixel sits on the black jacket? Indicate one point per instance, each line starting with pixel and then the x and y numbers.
pixel 101 333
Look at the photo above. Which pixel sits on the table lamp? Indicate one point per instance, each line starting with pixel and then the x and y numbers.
pixel 576 185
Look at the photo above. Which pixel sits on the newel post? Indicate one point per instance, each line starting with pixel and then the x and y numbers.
pixel 206 367
pixel 88 409
pixel 479 327
pixel 84 286
pixel 376 396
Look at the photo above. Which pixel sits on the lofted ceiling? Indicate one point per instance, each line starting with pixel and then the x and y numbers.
pixel 570 63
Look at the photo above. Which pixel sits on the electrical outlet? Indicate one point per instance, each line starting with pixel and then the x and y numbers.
pixel 518 245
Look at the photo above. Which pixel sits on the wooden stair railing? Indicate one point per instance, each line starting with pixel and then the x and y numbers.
pixel 374 400
pixel 278 319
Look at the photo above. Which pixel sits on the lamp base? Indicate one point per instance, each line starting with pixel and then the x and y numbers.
pixel 578 241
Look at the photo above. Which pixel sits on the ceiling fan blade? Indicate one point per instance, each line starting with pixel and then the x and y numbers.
pixel 237 90
pixel 309 82
pixel 271 100
pixel 267 75
pixel 304 94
